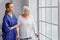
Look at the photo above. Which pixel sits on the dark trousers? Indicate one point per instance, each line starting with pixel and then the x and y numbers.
pixel 25 38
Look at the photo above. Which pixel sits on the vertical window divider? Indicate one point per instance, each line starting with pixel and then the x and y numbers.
pixel 51 18
pixel 45 20
pixel 58 20
pixel 38 16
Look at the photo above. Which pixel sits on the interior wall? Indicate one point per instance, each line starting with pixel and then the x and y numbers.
pixel 2 10
pixel 33 9
pixel 19 6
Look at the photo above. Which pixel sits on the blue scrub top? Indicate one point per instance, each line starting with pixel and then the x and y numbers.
pixel 9 22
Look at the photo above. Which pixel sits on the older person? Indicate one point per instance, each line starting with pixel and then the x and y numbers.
pixel 27 30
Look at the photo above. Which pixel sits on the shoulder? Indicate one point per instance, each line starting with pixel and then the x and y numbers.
pixel 19 19
pixel 5 17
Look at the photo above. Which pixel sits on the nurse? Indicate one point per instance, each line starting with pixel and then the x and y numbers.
pixel 27 30
pixel 9 24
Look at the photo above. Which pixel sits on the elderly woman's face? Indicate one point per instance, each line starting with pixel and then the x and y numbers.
pixel 26 11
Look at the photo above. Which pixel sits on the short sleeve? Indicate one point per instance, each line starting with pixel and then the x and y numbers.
pixel 19 20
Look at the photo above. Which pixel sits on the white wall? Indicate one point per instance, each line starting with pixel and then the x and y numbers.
pixel 19 6
pixel 2 9
pixel 33 8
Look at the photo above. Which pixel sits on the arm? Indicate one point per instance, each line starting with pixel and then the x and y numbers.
pixel 34 27
pixel 17 29
pixel 6 27
pixel 17 33
pixel 16 26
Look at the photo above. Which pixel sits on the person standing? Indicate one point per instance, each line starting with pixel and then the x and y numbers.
pixel 9 24
pixel 27 30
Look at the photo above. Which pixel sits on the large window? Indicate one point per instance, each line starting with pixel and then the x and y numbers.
pixel 48 19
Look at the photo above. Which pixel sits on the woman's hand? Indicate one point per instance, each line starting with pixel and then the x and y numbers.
pixel 17 36
pixel 16 26
pixel 37 35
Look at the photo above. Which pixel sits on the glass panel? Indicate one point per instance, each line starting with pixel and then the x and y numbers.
pixel 48 15
pixel 43 30
pixel 54 32
pixel 43 37
pixel 40 3
pixel 43 3
pixel 55 15
pixel 40 13
pixel 48 2
pixel 54 2
pixel 49 31
pixel 40 29
pixel 43 14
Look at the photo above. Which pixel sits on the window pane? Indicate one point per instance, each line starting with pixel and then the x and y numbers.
pixel 54 32
pixel 54 2
pixel 48 31
pixel 43 14
pixel 55 15
pixel 40 29
pixel 40 13
pixel 48 15
pixel 48 2
pixel 43 3
pixel 43 30
pixel 40 3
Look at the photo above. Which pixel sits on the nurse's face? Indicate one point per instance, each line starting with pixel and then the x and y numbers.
pixel 11 8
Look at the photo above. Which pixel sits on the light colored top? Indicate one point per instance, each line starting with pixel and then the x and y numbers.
pixel 27 27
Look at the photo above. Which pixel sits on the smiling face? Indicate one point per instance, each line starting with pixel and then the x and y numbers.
pixel 10 8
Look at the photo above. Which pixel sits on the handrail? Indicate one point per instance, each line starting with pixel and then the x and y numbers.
pixel 45 36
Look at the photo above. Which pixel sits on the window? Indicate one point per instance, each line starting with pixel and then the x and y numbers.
pixel 47 14
pixel 48 19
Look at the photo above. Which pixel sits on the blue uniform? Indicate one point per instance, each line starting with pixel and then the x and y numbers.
pixel 9 22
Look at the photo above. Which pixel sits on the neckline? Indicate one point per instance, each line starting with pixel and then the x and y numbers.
pixel 10 16
pixel 25 18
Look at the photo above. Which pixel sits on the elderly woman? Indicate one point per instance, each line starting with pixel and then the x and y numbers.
pixel 27 30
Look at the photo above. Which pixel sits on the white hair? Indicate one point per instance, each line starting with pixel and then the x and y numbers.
pixel 25 7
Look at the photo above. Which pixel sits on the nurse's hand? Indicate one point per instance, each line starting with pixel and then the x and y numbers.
pixel 16 26
pixel 17 37
pixel 37 35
